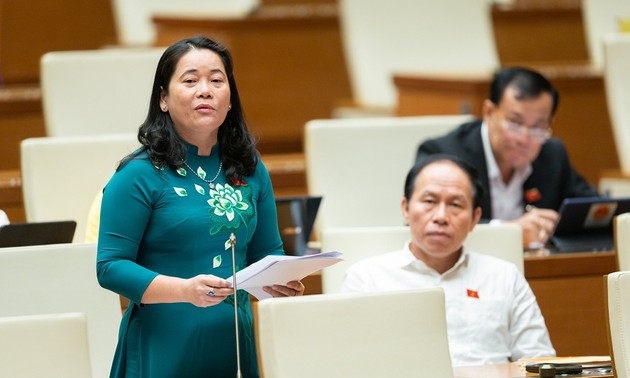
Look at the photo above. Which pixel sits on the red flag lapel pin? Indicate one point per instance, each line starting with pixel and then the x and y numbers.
pixel 532 195
pixel 472 293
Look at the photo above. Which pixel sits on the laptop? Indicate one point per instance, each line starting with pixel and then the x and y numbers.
pixel 37 233
pixel 586 224
pixel 296 217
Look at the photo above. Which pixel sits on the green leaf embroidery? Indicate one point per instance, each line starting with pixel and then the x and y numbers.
pixel 200 189
pixel 228 244
pixel 201 173
pixel 181 172
pixel 216 261
pixel 181 192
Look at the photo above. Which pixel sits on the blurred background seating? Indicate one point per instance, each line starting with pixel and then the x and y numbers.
pixel 62 175
pixel 61 278
pixel 47 345
pixel 348 336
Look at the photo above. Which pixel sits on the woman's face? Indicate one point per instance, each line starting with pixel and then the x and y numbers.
pixel 198 95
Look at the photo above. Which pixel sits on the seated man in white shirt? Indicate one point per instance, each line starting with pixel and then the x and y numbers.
pixel 492 315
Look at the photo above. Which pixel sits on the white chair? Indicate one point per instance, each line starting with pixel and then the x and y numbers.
pixel 618 309
pixel 617 79
pixel 622 241
pixel 97 91
pixel 504 241
pixel 61 278
pixel 602 17
pixel 61 175
pixel 134 24
pixel 357 243
pixel 616 51
pixel 394 334
pixel 359 165
pixel 384 37
pixel 52 346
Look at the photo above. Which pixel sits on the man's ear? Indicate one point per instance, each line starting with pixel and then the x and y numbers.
pixel 476 217
pixel 487 108
pixel 404 208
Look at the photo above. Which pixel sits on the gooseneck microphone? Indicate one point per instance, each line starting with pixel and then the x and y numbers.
pixel 238 349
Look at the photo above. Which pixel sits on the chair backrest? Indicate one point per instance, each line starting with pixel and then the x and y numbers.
pixel 618 308
pixel 384 37
pixel 358 165
pixel 61 175
pixel 357 243
pixel 97 91
pixel 622 241
pixel 602 17
pixel 61 278
pixel 134 24
pixel 52 346
pixel 394 334
pixel 617 79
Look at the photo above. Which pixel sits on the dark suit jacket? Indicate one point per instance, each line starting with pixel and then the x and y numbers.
pixel 552 180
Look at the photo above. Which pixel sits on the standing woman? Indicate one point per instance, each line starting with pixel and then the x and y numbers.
pixel 166 219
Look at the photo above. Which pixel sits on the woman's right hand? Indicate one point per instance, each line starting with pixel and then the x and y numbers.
pixel 206 290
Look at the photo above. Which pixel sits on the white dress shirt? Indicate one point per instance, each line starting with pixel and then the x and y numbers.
pixel 491 313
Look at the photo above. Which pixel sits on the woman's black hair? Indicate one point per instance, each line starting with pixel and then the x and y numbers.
pixel 157 133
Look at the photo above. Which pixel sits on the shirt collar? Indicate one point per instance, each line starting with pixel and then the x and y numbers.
pixel 406 259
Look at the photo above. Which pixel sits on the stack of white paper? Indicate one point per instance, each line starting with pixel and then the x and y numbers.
pixel 279 270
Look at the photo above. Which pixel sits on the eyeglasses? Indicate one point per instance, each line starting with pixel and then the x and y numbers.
pixel 539 134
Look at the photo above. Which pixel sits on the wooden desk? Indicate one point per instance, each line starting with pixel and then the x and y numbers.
pixel 288 62
pixel 21 117
pixel 28 29
pixel 570 292
pixel 287 172
pixel 507 370
pixel 11 196
pixel 539 32
pixel 581 121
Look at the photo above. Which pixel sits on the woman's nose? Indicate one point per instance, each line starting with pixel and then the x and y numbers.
pixel 205 89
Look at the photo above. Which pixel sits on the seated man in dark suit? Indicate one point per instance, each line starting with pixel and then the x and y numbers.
pixel 525 173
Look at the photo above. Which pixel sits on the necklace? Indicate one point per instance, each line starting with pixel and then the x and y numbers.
pixel 210 182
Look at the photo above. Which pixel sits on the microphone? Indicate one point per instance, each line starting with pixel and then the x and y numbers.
pixel 238 349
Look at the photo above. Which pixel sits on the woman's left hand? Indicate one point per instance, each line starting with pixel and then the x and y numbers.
pixel 292 289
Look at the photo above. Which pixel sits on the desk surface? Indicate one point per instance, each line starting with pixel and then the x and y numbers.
pixel 507 370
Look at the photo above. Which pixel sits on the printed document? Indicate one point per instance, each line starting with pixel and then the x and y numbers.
pixel 279 270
